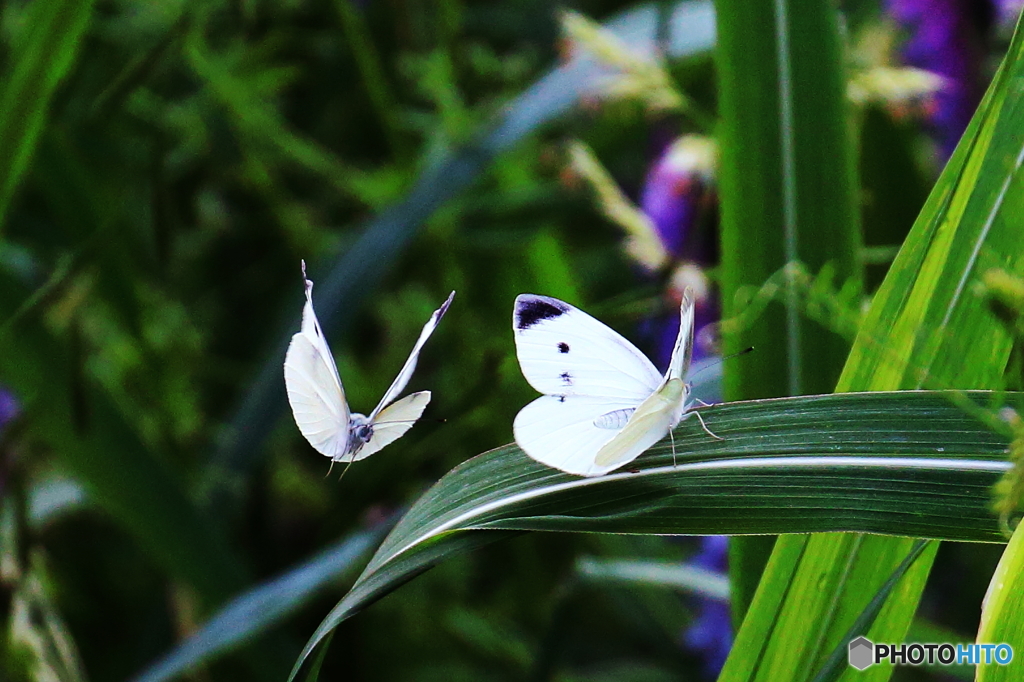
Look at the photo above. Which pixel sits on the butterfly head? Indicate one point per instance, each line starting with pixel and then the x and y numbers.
pixel 360 431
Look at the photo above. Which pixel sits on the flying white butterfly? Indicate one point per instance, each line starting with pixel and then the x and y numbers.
pixel 318 400
pixel 604 403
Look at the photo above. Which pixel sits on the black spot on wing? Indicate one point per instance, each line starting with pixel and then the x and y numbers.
pixel 533 310
pixel 563 347
pixel 566 378
pixel 561 398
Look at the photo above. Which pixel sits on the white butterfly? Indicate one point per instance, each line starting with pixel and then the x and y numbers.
pixel 604 403
pixel 318 400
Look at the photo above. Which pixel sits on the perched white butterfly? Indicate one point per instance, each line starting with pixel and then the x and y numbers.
pixel 318 400
pixel 604 403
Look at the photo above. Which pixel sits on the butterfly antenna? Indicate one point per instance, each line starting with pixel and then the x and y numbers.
pixel 708 366
pixel 705 427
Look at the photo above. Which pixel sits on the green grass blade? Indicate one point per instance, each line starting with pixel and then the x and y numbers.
pixel 837 662
pixel 907 463
pixel 788 183
pixel 926 327
pixel 40 60
pixel 1002 612
pixel 789 194
pixel 249 614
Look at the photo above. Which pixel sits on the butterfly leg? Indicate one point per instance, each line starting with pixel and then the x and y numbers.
pixel 672 439
pixel 345 470
pixel 705 427
pixel 702 403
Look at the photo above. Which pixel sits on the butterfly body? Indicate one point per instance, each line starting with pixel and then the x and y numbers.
pixel 605 403
pixel 318 400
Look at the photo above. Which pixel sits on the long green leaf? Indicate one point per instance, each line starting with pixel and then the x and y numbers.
pixel 789 194
pixel 906 463
pixel 1002 612
pixel 836 663
pixel 925 327
pixel 249 614
pixel 42 58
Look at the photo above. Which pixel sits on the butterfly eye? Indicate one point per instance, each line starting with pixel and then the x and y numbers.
pixel 364 432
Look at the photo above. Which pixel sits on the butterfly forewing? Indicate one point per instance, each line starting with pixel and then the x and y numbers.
pixel 400 382
pixel 682 353
pixel 314 392
pixel 564 351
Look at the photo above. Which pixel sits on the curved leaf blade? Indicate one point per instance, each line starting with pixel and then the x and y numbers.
pixel 900 463
pixel 256 610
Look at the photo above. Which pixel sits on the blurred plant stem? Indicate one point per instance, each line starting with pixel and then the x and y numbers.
pixel 788 190
pixel 374 78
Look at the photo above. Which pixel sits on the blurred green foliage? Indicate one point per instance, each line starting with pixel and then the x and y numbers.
pixel 164 166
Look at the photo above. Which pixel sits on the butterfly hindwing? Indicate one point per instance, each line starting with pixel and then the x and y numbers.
pixel 564 351
pixel 646 426
pixel 393 421
pixel 567 432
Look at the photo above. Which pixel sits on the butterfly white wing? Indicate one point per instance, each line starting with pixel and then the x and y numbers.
pixel 313 386
pixel 564 351
pixel 393 421
pixel 398 385
pixel 601 419
pixel 567 432
pixel 682 353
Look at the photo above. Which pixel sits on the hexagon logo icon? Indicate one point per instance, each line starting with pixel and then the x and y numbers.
pixel 861 653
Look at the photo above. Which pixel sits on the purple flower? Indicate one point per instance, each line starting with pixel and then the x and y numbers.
pixel 9 408
pixel 678 191
pixel 942 37
pixel 1007 12
pixel 711 633
pixel 677 195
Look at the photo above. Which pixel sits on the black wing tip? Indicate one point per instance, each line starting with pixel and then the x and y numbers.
pixel 531 309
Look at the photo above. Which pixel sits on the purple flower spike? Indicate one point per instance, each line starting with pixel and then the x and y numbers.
pixel 711 633
pixel 943 39
pixel 9 408
pixel 677 190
